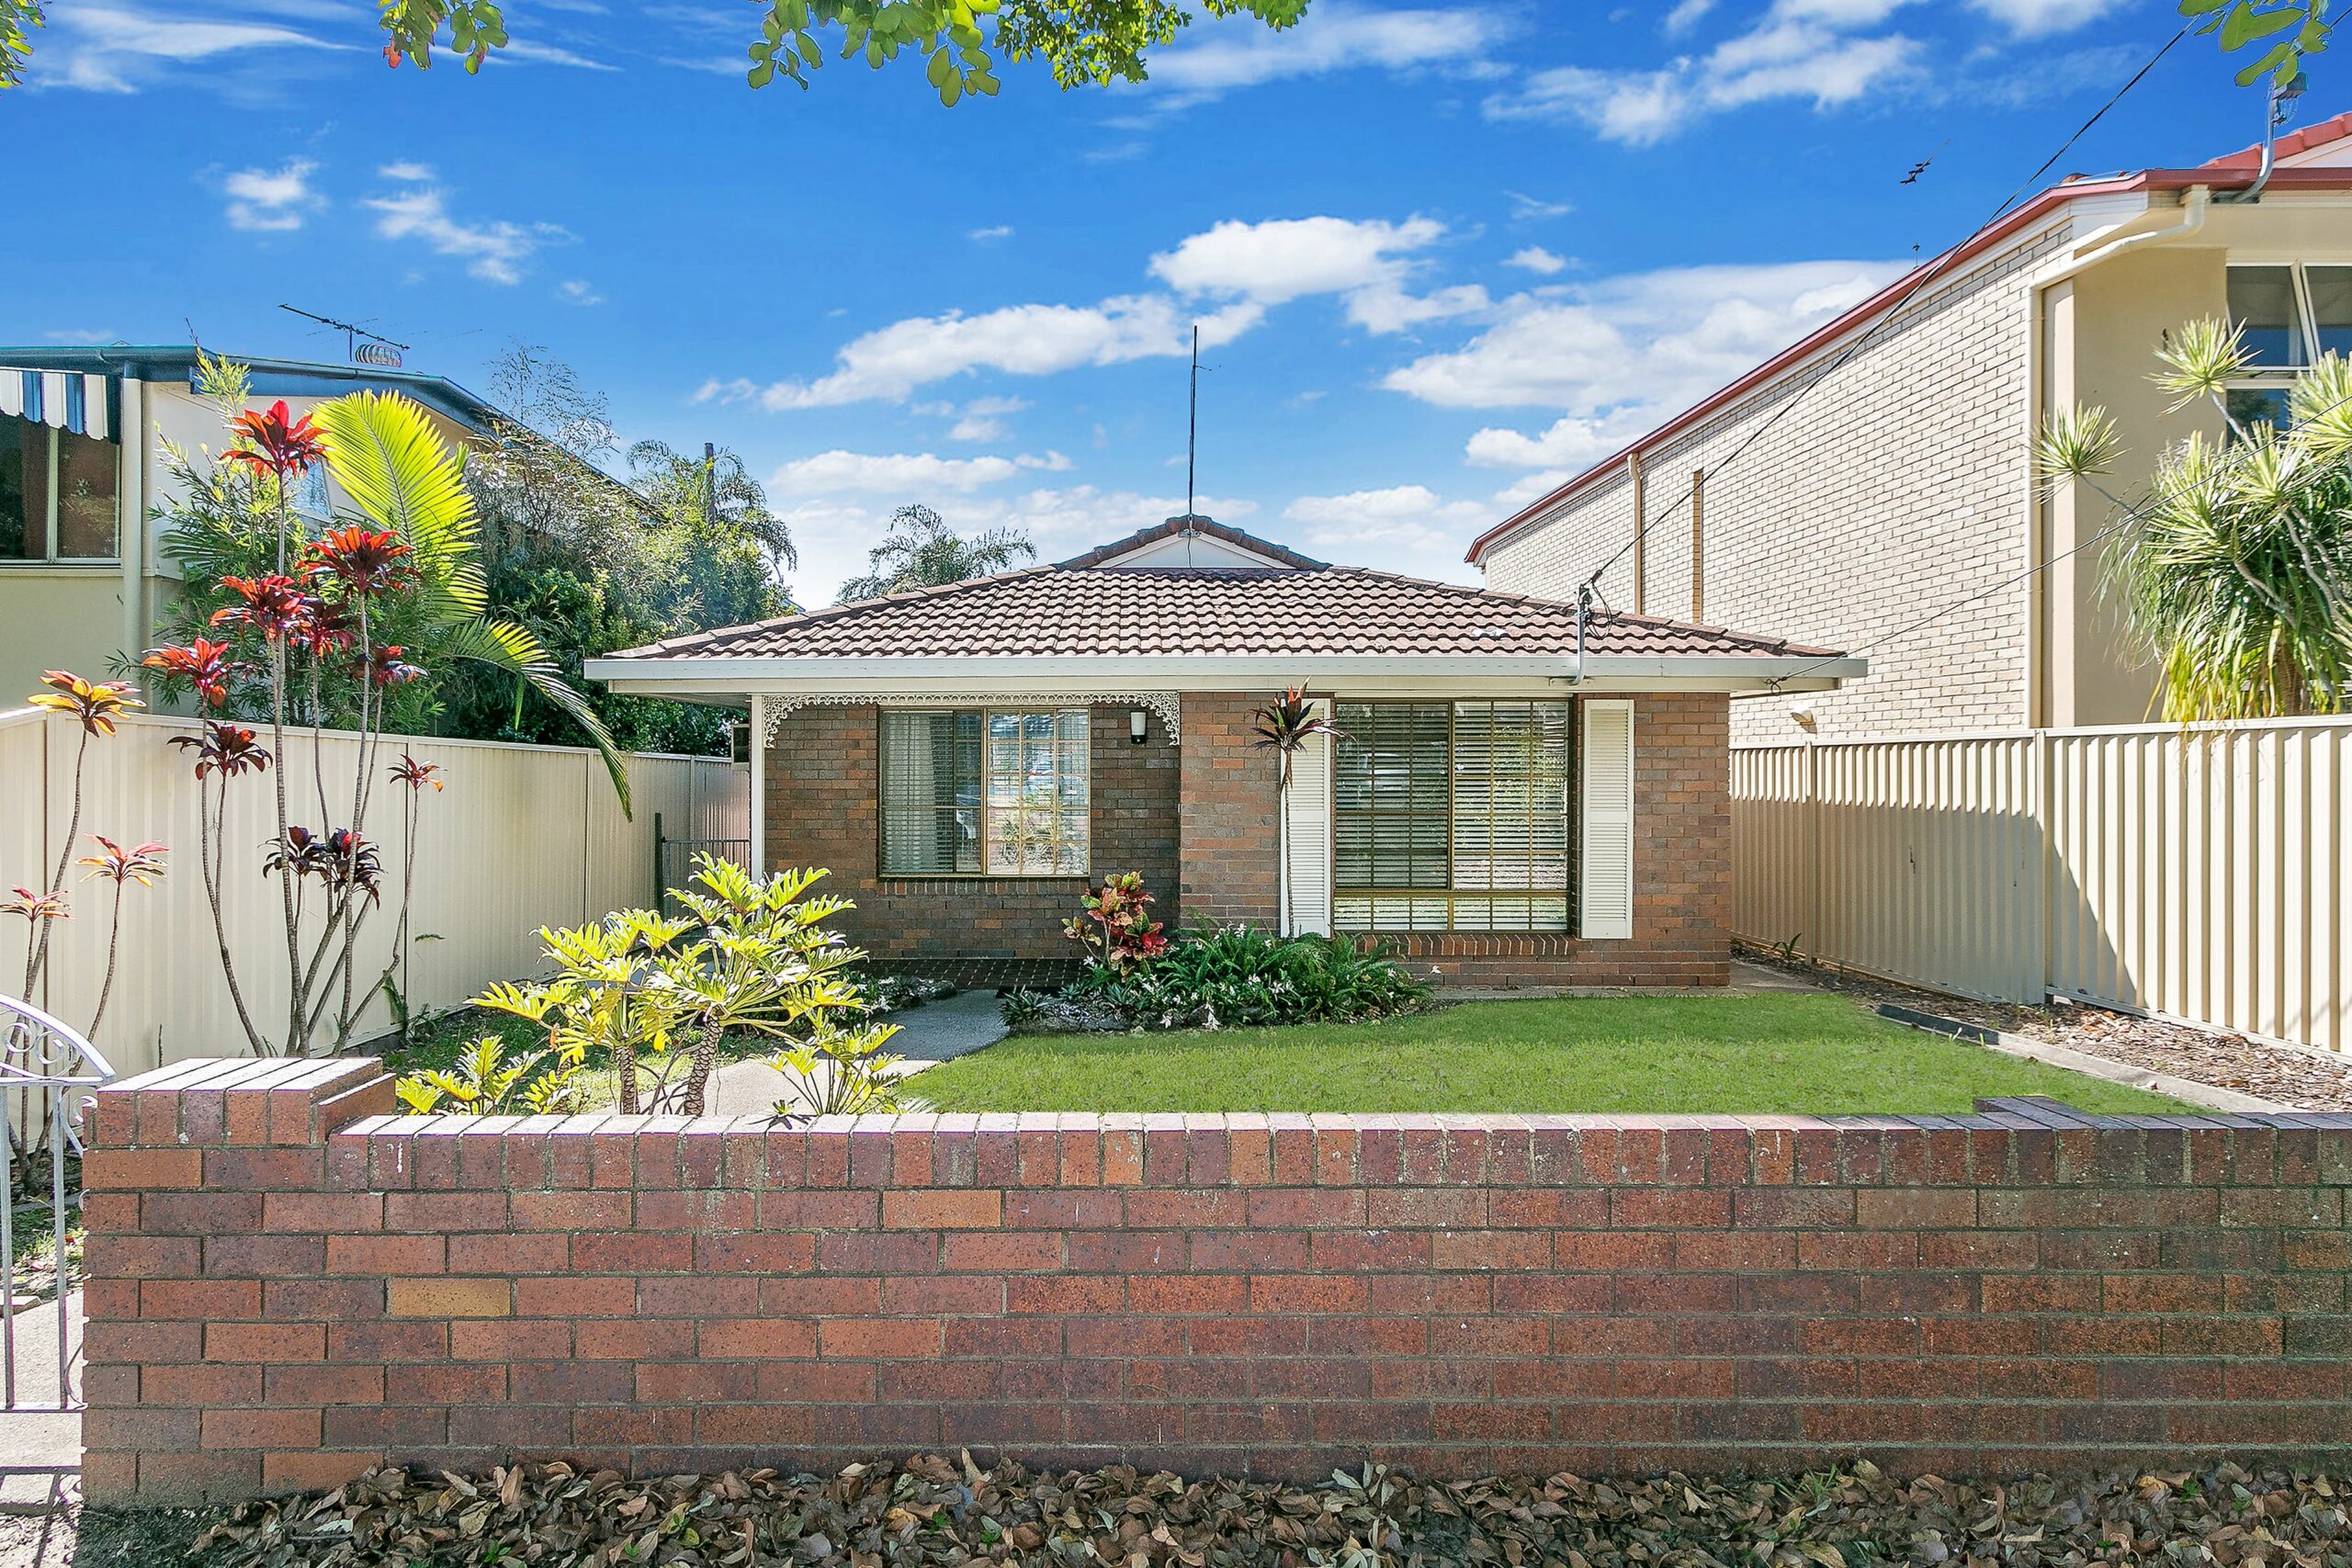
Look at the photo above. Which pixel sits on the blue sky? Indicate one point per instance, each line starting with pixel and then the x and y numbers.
pixel 1441 255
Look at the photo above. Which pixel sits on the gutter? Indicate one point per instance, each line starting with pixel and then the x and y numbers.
pixel 1213 673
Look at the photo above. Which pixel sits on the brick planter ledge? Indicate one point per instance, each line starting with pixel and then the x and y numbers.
pixel 288 1284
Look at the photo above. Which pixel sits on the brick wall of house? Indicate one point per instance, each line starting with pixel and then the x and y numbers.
pixel 1896 487
pixel 1199 819
pixel 824 808
pixel 1231 843
pixel 286 1287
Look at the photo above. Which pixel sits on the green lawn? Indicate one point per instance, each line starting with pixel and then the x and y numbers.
pixel 1821 1054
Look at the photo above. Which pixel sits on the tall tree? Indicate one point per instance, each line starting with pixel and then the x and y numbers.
pixel 922 551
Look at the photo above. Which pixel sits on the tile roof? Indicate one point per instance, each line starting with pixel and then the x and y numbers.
pixel 2334 128
pixel 1208 527
pixel 1065 612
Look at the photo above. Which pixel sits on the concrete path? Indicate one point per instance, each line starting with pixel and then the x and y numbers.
pixel 40 1452
pixel 927 1036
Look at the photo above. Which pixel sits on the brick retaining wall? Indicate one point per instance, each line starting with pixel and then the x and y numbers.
pixel 287 1285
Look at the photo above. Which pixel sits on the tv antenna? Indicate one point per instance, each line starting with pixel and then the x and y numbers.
pixel 1193 447
pixel 377 350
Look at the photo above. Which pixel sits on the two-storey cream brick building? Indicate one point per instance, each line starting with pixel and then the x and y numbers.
pixel 1881 470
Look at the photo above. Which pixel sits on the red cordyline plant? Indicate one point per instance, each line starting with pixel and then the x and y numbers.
pixel 1115 931
pixel 96 706
pixel 1284 727
pixel 295 631
pixel 141 863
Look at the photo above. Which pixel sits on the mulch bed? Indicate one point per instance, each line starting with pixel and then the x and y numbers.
pixel 937 1511
pixel 2302 1079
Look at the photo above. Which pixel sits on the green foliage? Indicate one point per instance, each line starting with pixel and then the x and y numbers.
pixel 2236 573
pixel 1093 41
pixel 17 19
pixel 654 994
pixel 2282 32
pixel 1234 977
pixel 922 551
pixel 398 475
pixel 589 563
pixel 485 1080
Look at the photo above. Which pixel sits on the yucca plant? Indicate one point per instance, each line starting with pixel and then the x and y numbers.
pixel 2236 573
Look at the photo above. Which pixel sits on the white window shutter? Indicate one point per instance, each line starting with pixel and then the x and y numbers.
pixel 1307 877
pixel 1606 856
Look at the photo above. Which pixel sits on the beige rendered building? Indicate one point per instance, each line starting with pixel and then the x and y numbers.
pixel 84 580
pixel 1883 468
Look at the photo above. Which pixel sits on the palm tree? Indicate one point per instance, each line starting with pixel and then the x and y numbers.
pixel 400 476
pixel 713 491
pixel 2235 574
pixel 922 551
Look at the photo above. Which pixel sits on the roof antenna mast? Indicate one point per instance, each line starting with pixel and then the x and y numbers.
pixel 1192 442
pixel 377 350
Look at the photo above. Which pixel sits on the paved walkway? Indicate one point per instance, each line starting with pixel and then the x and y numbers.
pixel 40 1452
pixel 927 1035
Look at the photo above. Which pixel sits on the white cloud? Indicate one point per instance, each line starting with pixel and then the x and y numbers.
pixel 1536 259
pixel 1685 17
pixel 117 48
pixel 1515 496
pixel 994 231
pixel 904 473
pixel 1528 208
pixel 1412 517
pixel 2035 19
pixel 579 291
pixel 495 251
pixel 984 419
pixel 523 53
pixel 1021 340
pixel 1801 49
pixel 1367 262
pixel 270 199
pixel 1243 53
pixel 406 171
pixel 1620 356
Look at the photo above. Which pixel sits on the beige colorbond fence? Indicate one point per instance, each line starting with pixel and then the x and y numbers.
pixel 521 836
pixel 2194 874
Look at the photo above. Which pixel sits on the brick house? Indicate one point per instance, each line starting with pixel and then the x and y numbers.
pixel 1522 793
pixel 1884 469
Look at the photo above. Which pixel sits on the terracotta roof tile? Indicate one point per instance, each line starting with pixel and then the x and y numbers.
pixel 1064 612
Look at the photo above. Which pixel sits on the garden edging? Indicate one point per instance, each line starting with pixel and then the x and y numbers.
pixel 2211 1096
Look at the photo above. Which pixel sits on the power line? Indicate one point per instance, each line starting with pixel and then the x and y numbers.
pixel 1926 276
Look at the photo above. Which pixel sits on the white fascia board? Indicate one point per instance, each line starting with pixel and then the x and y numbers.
pixel 706 677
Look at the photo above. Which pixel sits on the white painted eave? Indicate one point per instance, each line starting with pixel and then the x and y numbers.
pixel 710 678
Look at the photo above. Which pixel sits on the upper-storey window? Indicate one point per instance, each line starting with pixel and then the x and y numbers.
pixel 57 494
pixel 2287 315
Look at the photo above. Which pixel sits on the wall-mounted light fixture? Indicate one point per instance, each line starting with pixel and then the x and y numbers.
pixel 1138 725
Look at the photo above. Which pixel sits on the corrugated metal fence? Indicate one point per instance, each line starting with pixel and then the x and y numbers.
pixel 2194 874
pixel 521 836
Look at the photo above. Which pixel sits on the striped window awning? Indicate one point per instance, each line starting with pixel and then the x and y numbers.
pixel 68 400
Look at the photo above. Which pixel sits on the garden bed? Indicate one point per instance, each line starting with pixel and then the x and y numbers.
pixel 1818 1054
pixel 937 1510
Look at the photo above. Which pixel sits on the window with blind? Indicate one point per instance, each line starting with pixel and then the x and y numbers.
pixel 985 793
pixel 1450 817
